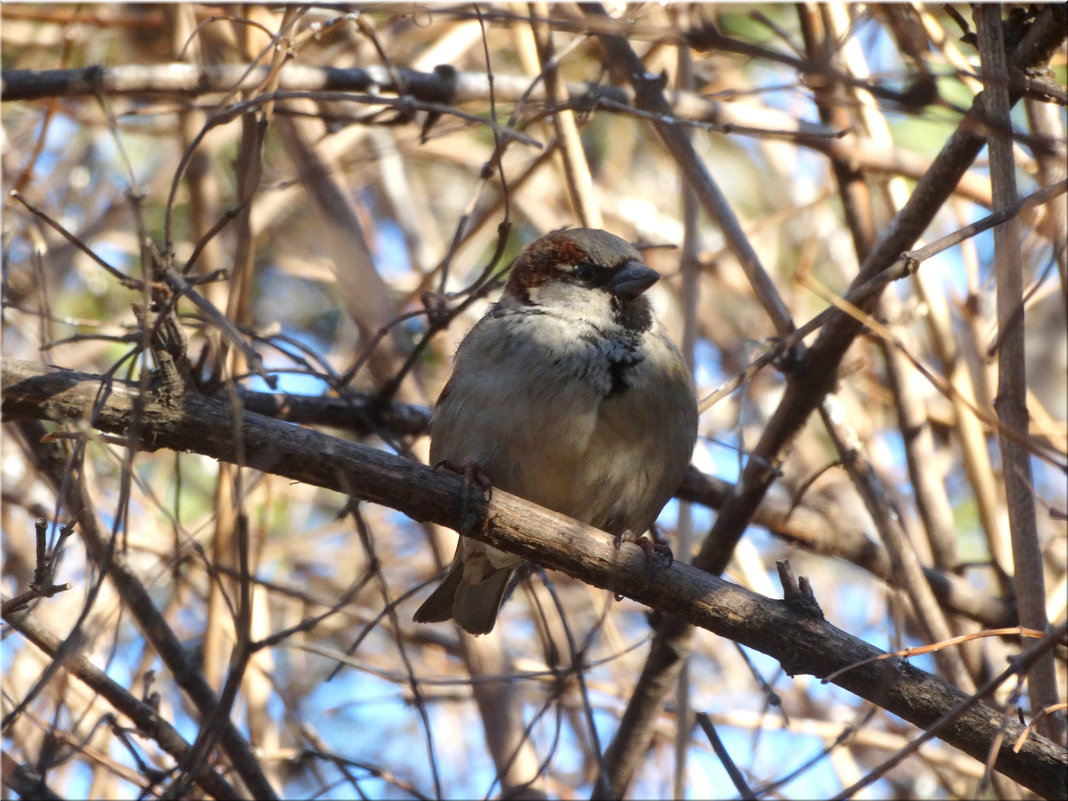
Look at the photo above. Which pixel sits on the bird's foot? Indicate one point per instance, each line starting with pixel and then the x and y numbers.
pixel 476 493
pixel 656 549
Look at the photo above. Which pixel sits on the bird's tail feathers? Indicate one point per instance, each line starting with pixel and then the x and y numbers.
pixel 474 605
pixel 477 605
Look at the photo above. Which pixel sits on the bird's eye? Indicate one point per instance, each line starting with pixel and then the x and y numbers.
pixel 584 273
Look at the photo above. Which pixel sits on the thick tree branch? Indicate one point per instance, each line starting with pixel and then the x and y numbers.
pixel 1011 400
pixel 802 641
pixel 443 85
pixel 801 525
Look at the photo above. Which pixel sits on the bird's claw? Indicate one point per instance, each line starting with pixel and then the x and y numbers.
pixel 476 493
pixel 657 551
pixel 473 476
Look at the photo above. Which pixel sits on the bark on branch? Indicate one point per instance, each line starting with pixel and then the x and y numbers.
pixel 802 641
pixel 442 85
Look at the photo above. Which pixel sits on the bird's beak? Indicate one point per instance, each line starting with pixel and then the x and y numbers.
pixel 632 279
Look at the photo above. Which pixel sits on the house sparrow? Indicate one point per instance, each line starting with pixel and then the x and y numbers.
pixel 568 393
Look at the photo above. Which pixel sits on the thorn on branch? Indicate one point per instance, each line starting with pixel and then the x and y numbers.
pixel 445 91
pixel 148 695
pixel 437 310
pixel 42 573
pixel 41 586
pixel 798 591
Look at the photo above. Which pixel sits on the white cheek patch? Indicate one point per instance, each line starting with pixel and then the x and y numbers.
pixel 591 304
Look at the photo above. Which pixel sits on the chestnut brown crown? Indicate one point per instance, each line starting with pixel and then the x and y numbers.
pixel 584 258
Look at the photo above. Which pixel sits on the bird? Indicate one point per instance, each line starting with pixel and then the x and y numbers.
pixel 569 393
